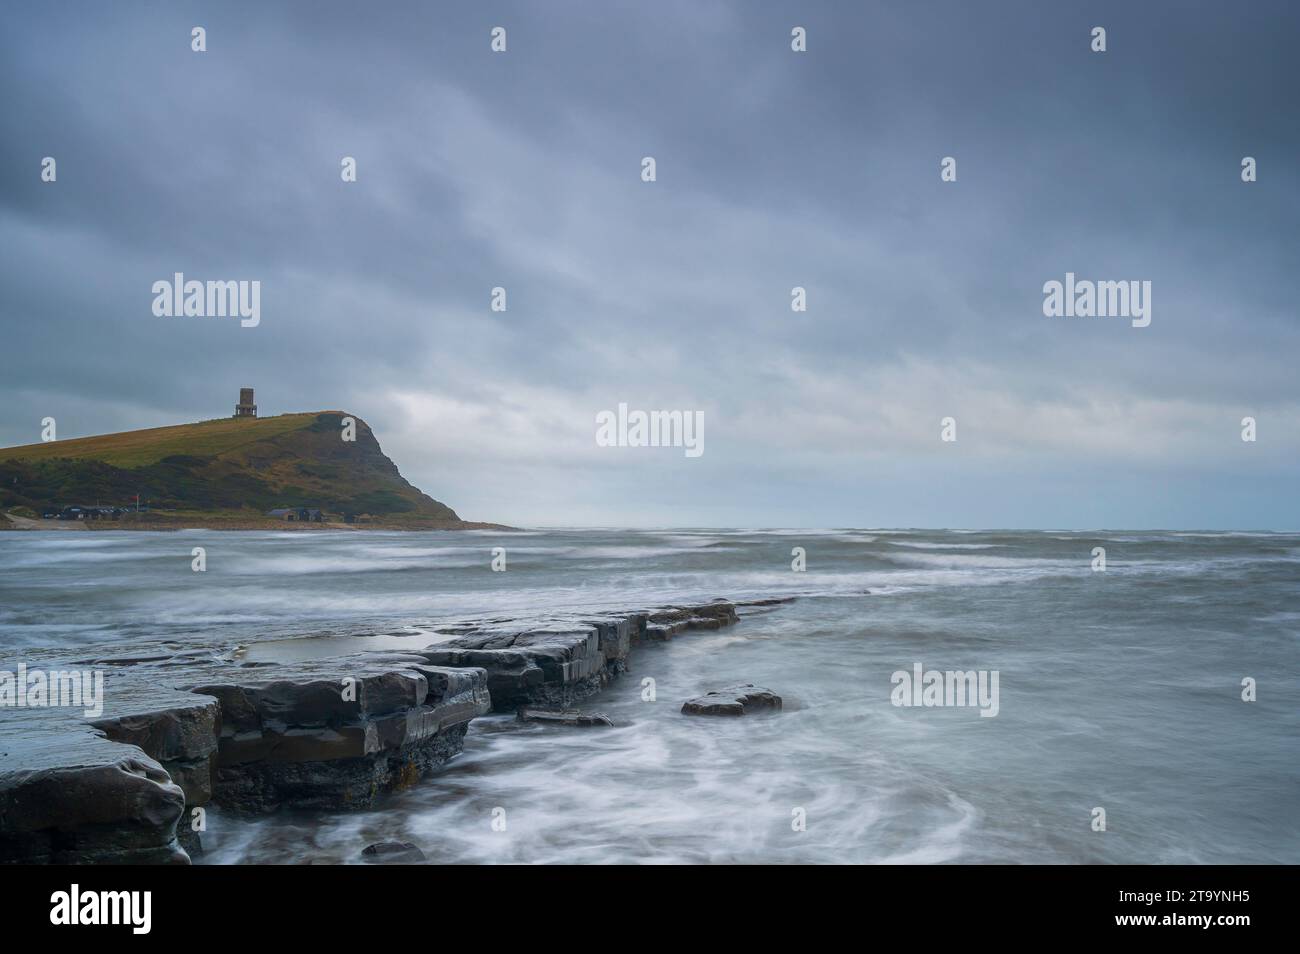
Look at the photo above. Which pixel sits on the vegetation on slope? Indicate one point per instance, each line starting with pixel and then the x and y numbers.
pixel 244 465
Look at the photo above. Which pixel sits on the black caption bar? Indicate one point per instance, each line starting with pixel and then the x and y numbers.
pixel 143 905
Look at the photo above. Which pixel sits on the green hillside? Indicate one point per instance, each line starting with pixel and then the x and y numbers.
pixel 231 466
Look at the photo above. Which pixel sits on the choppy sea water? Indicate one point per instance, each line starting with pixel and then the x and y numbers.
pixel 1118 689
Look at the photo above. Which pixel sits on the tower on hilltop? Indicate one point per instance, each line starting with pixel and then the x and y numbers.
pixel 245 407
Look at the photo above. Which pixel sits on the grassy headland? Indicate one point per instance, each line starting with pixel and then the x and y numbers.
pixel 223 473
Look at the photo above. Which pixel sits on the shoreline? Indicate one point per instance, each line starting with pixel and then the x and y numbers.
pixel 168 523
pixel 187 725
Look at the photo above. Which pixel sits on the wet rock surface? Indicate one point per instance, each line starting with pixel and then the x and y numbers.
pixel 80 798
pixel 337 733
pixel 392 853
pixel 187 725
pixel 665 624
pixel 571 717
pixel 732 701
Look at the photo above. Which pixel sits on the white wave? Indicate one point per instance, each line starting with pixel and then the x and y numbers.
pixel 920 545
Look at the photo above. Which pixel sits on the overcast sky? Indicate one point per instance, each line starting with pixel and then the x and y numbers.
pixel 774 169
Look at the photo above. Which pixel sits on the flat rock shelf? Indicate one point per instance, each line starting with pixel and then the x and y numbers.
pixel 185 726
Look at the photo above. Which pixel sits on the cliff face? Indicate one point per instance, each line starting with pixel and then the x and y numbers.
pixel 227 465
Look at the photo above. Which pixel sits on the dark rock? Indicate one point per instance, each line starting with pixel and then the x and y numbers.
pixel 735 700
pixel 81 799
pixel 302 742
pixel 333 784
pixel 663 625
pixel 177 729
pixel 553 666
pixel 189 839
pixel 185 725
pixel 561 664
pixel 393 853
pixel 563 717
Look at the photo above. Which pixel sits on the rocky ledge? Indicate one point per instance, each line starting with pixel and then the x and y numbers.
pixel 571 717
pixel 185 726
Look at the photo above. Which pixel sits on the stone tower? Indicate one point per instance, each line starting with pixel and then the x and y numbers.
pixel 245 407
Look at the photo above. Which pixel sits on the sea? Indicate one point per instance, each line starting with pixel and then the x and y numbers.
pixel 1146 712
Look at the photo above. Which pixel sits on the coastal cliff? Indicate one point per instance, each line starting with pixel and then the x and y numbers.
pixel 225 473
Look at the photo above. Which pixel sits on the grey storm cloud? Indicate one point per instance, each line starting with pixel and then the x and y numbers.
pixel 775 169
